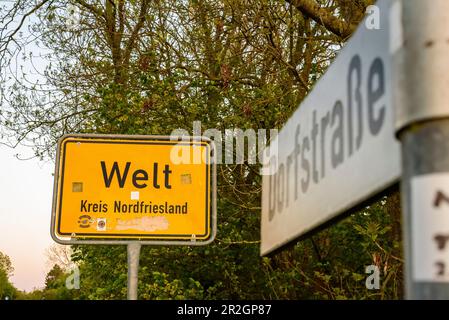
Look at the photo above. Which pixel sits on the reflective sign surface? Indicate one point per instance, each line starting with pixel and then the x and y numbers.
pixel 133 188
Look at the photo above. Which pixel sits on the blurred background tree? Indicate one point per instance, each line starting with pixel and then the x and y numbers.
pixel 7 290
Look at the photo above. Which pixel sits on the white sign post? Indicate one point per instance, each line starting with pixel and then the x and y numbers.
pixel 339 148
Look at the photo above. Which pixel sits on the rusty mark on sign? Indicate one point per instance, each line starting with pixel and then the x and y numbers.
pixel 77 187
pixel 186 178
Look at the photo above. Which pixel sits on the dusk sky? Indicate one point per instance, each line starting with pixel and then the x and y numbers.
pixel 25 208
pixel 26 188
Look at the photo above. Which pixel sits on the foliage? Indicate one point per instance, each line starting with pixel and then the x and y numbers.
pixel 148 67
pixel 6 265
pixel 331 264
pixel 7 290
pixel 55 287
pixel 159 287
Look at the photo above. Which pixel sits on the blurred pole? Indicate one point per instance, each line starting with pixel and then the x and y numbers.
pixel 422 123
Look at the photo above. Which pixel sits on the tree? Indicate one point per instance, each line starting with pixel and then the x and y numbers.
pixel 6 265
pixel 351 12
pixel 55 286
pixel 53 276
pixel 148 67
pixel 7 290
pixel 60 255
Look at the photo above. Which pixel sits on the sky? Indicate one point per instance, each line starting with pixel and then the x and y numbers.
pixel 26 188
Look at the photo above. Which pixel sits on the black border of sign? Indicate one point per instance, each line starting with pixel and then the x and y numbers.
pixel 144 237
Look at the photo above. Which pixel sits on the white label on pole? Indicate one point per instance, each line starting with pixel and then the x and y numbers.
pixel 338 149
pixel 430 227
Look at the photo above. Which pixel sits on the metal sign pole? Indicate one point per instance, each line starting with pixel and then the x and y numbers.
pixel 133 269
pixel 426 152
pixel 423 128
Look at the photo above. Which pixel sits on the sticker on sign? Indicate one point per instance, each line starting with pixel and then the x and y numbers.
pixel 338 149
pixel 128 188
pixel 430 227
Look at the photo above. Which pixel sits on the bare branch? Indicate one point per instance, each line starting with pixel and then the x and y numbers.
pixel 324 17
